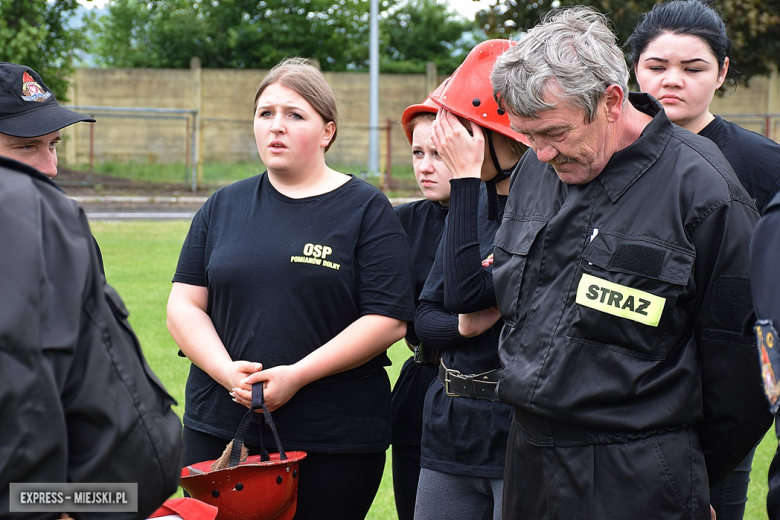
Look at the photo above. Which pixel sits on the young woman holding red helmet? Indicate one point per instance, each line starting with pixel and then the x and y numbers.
pixel 465 428
pixel 298 279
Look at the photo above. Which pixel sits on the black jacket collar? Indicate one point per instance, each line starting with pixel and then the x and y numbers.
pixel 630 163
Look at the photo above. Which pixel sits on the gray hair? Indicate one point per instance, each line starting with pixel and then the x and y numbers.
pixel 573 51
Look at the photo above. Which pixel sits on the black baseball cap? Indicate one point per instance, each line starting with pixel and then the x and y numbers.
pixel 27 107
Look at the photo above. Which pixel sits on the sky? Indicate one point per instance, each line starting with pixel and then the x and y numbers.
pixel 467 8
pixel 93 3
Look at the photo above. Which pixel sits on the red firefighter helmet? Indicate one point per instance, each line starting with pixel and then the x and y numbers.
pixel 253 490
pixel 468 92
pixel 426 106
pixel 263 487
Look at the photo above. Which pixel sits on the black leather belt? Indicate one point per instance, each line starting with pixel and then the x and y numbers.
pixel 475 386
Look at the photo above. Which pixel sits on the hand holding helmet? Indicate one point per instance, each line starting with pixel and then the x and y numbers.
pixel 280 384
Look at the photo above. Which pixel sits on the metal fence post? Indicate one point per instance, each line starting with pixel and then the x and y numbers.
pixel 388 184
pixel 194 151
pixel 91 147
pixel 197 106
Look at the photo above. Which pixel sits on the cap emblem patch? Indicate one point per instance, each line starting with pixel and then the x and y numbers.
pixel 32 91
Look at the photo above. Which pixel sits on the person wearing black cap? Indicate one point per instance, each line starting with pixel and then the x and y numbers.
pixel 30 122
pixel 78 402
pixel 31 119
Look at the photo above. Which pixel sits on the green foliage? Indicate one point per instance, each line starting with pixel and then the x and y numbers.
pixel 231 33
pixel 258 34
pixel 420 31
pixel 753 25
pixel 214 174
pixel 35 33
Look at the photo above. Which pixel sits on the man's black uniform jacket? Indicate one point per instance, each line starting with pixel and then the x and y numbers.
pixel 78 403
pixel 623 299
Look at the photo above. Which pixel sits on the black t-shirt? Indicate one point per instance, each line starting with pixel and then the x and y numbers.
pixel 423 222
pixel 462 436
pixel 284 276
pixel 754 158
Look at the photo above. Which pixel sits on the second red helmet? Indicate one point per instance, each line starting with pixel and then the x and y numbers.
pixel 468 92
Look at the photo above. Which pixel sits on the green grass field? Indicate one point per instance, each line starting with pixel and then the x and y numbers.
pixel 140 258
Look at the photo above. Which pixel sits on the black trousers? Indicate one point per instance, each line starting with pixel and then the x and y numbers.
pixel 730 496
pixel 661 476
pixel 406 475
pixel 331 486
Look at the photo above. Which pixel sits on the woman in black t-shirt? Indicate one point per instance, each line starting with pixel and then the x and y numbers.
pixel 680 56
pixel 298 279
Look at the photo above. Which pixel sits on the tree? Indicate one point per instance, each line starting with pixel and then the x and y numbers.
pixel 231 33
pixel 420 31
pixel 260 33
pixel 36 33
pixel 753 25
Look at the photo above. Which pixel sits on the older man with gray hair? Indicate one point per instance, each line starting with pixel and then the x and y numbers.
pixel 621 272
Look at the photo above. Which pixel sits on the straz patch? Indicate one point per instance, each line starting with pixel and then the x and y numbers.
pixel 619 300
pixel 766 341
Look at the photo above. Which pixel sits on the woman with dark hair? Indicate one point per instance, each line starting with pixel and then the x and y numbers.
pixel 680 56
pixel 298 279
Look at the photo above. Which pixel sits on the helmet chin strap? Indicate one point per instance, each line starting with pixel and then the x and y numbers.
pixel 492 193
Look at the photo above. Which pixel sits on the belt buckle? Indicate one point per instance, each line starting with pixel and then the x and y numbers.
pixel 447 373
pixel 418 354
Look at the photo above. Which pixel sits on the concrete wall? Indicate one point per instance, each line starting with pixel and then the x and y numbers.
pixel 223 99
pixel 762 97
